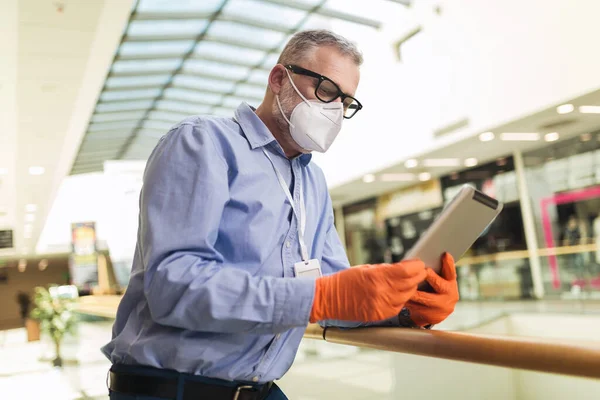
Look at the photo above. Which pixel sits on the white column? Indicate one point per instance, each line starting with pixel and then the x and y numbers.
pixel 529 226
pixel 10 217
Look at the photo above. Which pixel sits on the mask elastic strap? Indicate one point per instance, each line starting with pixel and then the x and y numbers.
pixel 282 113
pixel 299 94
pixel 296 89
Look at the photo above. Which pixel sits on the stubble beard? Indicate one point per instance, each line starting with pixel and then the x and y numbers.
pixel 286 98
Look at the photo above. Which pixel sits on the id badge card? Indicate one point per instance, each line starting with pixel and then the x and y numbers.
pixel 308 269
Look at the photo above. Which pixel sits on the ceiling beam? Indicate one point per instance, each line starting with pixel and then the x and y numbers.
pixel 167 16
pixel 148 57
pixel 103 141
pixel 216 59
pixel 92 129
pixel 185 72
pixel 186 16
pixel 124 105
pixel 191 89
pixel 211 39
pixel 154 87
pixel 97 153
pixel 325 12
pixel 117 121
pixel 222 60
pixel 79 171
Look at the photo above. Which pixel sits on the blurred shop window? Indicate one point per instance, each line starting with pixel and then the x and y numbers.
pixel 498 180
pixel 404 231
pixel 365 243
pixel 564 184
pixel 484 272
pixel 408 212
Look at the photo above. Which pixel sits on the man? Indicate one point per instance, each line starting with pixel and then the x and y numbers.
pixel 236 227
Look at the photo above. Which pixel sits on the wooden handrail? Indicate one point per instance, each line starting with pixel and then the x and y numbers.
pixel 561 357
pixel 523 254
pixel 535 354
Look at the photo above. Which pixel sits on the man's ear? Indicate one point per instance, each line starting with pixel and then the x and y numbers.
pixel 276 78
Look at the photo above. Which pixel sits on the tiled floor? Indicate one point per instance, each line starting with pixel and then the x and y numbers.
pixel 321 371
pixel 26 371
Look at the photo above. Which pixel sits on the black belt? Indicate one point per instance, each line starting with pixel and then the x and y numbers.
pixel 167 388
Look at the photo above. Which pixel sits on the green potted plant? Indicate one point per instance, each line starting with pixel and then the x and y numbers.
pixel 56 317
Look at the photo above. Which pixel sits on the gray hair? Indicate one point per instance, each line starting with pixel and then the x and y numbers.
pixel 302 42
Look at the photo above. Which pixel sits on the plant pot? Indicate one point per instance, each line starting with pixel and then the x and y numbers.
pixel 33 329
pixel 57 362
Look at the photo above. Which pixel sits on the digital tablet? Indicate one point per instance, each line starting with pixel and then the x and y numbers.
pixel 457 227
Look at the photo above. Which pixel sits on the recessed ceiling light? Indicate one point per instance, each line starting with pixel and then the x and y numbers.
pixel 441 162
pixel 412 163
pixel 397 177
pixel 36 170
pixel 22 265
pixel 589 109
pixel 551 137
pixel 520 136
pixel 424 176
pixel 31 208
pixel 369 178
pixel 471 162
pixel 565 108
pixel 586 137
pixel 487 136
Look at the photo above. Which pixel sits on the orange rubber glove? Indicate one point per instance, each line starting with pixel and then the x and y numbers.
pixel 367 293
pixel 432 308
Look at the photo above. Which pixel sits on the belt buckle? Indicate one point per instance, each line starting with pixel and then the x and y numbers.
pixel 238 391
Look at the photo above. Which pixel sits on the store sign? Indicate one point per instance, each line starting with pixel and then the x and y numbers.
pixel 84 257
pixel 6 239
pixel 414 199
pixel 581 170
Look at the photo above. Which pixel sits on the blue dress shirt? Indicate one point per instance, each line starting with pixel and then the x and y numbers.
pixel 212 289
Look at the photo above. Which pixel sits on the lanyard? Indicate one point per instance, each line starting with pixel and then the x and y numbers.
pixel 299 214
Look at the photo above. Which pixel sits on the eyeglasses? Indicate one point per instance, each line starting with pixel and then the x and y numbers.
pixel 328 91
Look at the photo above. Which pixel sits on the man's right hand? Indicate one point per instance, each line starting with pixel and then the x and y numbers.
pixel 367 293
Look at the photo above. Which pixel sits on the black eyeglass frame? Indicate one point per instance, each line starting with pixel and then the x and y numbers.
pixel 306 72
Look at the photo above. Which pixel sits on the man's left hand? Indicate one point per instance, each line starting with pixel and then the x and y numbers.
pixel 432 308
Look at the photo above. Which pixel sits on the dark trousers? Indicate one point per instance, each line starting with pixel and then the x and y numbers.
pixel 274 394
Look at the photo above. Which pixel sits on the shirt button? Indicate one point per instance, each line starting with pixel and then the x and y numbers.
pixel 255 379
pixel 288 244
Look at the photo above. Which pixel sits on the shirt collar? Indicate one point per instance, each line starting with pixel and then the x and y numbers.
pixel 257 133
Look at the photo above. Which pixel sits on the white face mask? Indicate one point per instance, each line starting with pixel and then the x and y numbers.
pixel 314 125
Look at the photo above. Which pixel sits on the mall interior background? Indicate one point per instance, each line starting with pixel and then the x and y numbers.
pixel 501 95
